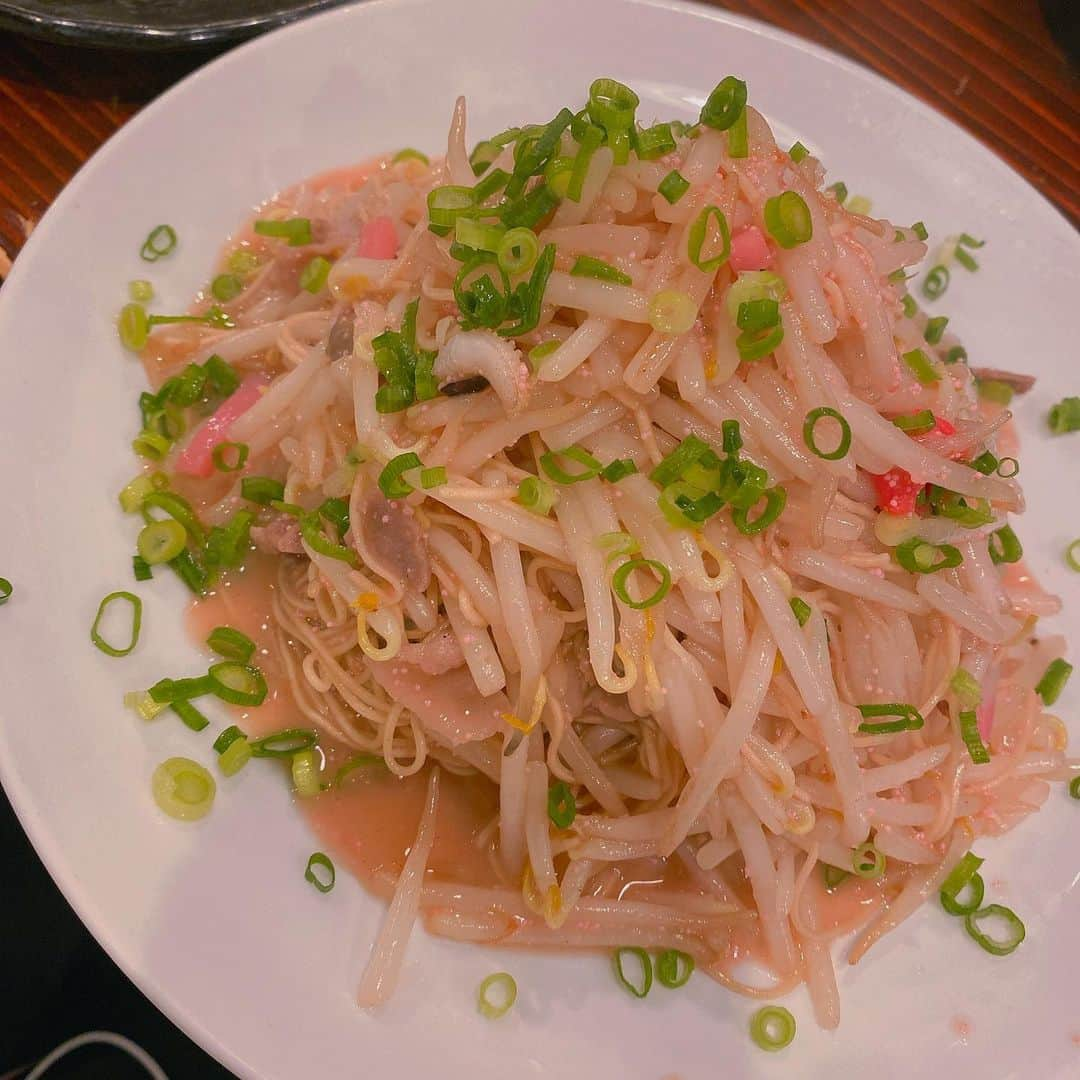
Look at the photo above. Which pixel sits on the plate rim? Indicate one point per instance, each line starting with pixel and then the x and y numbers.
pixel 23 804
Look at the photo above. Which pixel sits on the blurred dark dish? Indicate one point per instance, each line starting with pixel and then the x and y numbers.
pixel 152 24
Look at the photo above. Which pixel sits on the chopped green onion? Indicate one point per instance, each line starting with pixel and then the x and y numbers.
pixel 969 732
pixel 477 235
pixel 227 545
pixel 144 704
pixel 141 291
pixel 920 557
pixel 833 876
pixel 618 470
pixel 235 756
pixel 839 190
pixel 313 276
pixel 1053 681
pixel 227 738
pixel 236 683
pixel 1074 787
pixel 725 104
pixel 686 506
pixel 618 545
pixel 858 204
pixel 1072 556
pixel 226 287
pixel 963 874
pixel 910 719
pixel 133 493
pixel 970 513
pixel 221 462
pixel 283 744
pixel 674 968
pixel 738 140
pixel 531 155
pixel 672 468
pixel 788 220
pixel 672 312
pixel 673 187
pixel 183 789
pixel 139 567
pixel 709 240
pixel 161 541
pixel 966 260
pixel 220 376
pixel 919 229
pixel 619 581
pixel 133 326
pixel 409 154
pixel 189 714
pixel 772 1028
pixel 391 481
pixel 496 995
pixel 1064 416
pixel 760 314
pixel 654 142
pixel 589 142
pixel 907 302
pixel 243 261
pixel 754 344
pixel 797 152
pixel 1008 467
pixel 557 175
pixel 644 984
pixel 320 872
pixel 561 807
pixel 800 609
pixel 1013 930
pixel 297 231
pixel 189 571
pixel 936 282
pixel 985 463
pixel 433 478
pixel 517 251
pixel 934 329
pixel 842 447
pixel 1005 546
pixel 178 508
pixel 528 298
pixel 956 354
pixel 867 861
pixel 231 644
pixel 549 462
pixel 95 635
pixel 305 773
pixel 6 589
pixel 1001 393
pixel 966 688
pixel 612 105
pixel 357 761
pixel 537 495
pixel 731 436
pixel 149 444
pixel 167 691
pixel 775 501
pixel 541 351
pixel 754 285
pixel 921 367
pixel 159 243
pixel 917 423
pixel 589 267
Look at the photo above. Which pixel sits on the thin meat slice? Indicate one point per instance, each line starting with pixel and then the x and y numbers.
pixel 1020 383
pixel 449 707
pixel 437 654
pixel 390 541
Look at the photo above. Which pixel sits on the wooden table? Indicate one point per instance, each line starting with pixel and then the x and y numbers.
pixel 989 64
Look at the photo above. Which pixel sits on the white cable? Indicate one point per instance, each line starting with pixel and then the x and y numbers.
pixel 87 1038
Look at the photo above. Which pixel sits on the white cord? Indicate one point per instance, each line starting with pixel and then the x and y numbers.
pixel 87 1038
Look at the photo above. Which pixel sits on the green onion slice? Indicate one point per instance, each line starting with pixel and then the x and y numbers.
pixel 161 541
pixel 788 220
pixel 227 738
pixel 654 142
pixel 674 968
pixel 963 875
pixel 95 635
pixel 709 240
pixel 800 609
pixel 262 489
pixel 775 501
pixel 408 153
pixel 1064 416
pixel 619 581
pixel 178 508
pixel 1072 556
pixel 169 691
pixel 517 251
pixel 618 470
pixel 969 732
pixel 833 876
pixel 140 568
pixel 226 287
pixel 1012 930
pixel 842 447
pixel 296 231
pixel 920 557
pixel 496 995
pixel 313 276
pixel 1005 546
pixel 738 138
pixel 797 152
pixel 238 684
pixel 160 242
pixel 688 452
pixel 643 985
pixel 6 589
pixel 867 861
pixel 183 789
pixel 587 266
pixel 357 761
pixel 916 423
pixel 283 744
pixel 731 436
pixel 133 326
pixel 549 462
pixel 231 644
pixel 934 329
pixel 537 495
pixel 1053 681
pixel 391 481
pixel 909 718
pixel 936 282
pixel 772 1028
pixel 966 688
pixel 725 104
pixel 561 805
pixel 673 187
pixel 921 367
pixel 141 290
pixel 230 456
pixel 305 769
pixel 320 872
pixel 1074 787
pixel 190 715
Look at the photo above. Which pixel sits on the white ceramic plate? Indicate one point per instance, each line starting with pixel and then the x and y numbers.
pixel 214 921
